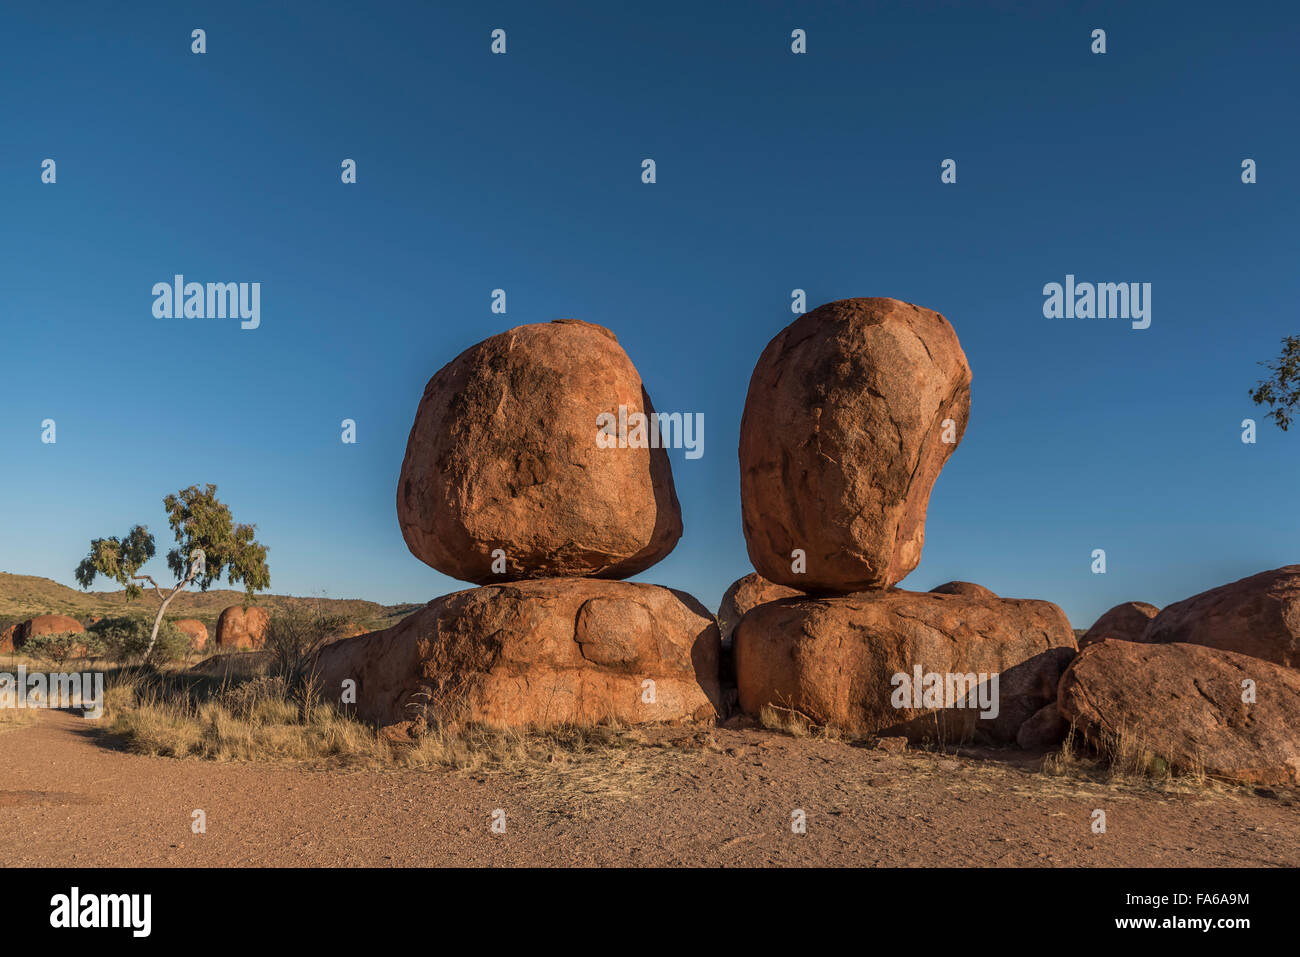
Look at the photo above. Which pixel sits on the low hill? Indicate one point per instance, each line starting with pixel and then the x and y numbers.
pixel 24 596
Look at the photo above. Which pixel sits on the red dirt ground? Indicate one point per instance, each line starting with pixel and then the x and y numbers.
pixel 68 798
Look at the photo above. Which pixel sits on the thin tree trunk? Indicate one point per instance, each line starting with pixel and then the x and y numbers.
pixel 157 622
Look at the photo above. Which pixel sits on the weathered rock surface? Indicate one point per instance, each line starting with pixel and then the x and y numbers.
pixel 1257 616
pixel 1045 728
pixel 543 654
pixel 241 664
pixel 504 455
pixel 970 589
pixel 1184 703
pixel 195 630
pixel 240 628
pixel 745 593
pixel 842 438
pixel 835 660
pixel 1125 622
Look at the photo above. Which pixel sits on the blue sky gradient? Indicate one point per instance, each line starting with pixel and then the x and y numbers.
pixel 775 171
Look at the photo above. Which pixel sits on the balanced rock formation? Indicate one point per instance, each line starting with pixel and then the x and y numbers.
pixel 240 628
pixel 852 411
pixel 745 593
pixel 1257 616
pixel 905 663
pixel 1125 622
pixel 508 452
pixel 969 589
pixel 1184 703
pixel 195 631
pixel 539 654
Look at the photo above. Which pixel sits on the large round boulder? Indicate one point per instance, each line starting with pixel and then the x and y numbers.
pixel 745 593
pixel 1204 710
pixel 1257 616
pixel 900 663
pixel 852 411
pixel 46 625
pixel 18 635
pixel 509 471
pixel 242 629
pixel 542 654
pixel 1125 622
pixel 195 631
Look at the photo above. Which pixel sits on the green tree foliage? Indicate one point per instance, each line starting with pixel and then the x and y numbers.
pixel 208 544
pixel 119 559
pixel 199 521
pixel 59 647
pixel 1281 390
pixel 126 638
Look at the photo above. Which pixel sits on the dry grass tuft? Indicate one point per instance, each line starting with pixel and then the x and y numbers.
pixel 266 718
pixel 1120 757
pixel 795 723
pixel 11 719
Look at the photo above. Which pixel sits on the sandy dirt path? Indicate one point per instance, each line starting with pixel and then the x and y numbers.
pixel 68 799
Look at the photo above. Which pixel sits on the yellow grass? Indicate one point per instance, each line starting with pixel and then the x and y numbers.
pixel 262 719
pixel 1120 757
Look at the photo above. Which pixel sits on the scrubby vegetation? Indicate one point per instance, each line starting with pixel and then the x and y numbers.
pixel 267 719
pixel 25 596
pixel 126 639
pixel 275 713
pixel 1118 757
pixel 61 647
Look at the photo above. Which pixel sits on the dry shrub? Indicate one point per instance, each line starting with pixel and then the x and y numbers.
pixel 795 723
pixel 272 718
pixel 1120 756
pixel 13 718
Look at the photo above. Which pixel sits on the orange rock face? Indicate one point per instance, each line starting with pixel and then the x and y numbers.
pixel 240 629
pixel 1045 728
pixel 195 630
pixel 745 593
pixel 852 411
pixel 1184 703
pixel 50 625
pixel 1258 616
pixel 15 636
pixel 837 661
pixel 969 589
pixel 504 455
pixel 1125 622
pixel 540 654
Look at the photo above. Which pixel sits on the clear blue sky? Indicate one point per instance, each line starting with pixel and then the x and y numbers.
pixel 775 171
